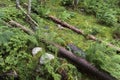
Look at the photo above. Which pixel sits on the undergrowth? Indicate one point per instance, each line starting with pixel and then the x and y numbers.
pixel 16 46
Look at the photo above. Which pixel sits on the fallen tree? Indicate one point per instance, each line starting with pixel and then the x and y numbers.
pixel 79 62
pixel 73 28
pixel 13 23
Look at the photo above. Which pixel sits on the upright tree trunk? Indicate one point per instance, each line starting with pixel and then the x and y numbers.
pixel 29 6
pixel 17 3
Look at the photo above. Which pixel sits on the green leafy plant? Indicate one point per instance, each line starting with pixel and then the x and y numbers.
pixel 104 58
pixel 14 51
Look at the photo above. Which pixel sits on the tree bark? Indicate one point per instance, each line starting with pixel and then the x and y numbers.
pixel 17 3
pixel 29 6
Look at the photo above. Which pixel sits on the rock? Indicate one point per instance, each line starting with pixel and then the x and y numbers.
pixel 36 50
pixel 46 58
pixel 76 50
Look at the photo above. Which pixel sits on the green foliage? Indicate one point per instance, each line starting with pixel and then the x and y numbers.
pixel 66 15
pixel 10 13
pixel 15 45
pixel 42 10
pixel 59 67
pixel 14 51
pixel 107 16
pixel 102 10
pixel 5 35
pixel 104 58
pixel 116 33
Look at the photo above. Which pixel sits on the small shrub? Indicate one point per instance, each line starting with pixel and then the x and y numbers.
pixel 104 58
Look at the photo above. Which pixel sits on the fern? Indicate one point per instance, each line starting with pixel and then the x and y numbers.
pixel 5 34
pixel 15 51
pixel 104 58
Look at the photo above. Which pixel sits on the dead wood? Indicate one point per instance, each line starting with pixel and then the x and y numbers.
pixel 83 65
pixel 80 63
pixel 14 23
pixel 73 28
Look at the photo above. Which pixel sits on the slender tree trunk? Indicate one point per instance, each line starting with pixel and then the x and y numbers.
pixel 29 6
pixel 75 3
pixel 17 3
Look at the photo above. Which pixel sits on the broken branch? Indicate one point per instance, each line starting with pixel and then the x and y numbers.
pixel 14 23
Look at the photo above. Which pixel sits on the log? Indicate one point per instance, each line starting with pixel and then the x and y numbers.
pixel 80 63
pixel 83 65
pixel 64 24
pixel 73 28
pixel 14 23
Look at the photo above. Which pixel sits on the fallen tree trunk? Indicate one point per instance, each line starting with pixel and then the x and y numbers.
pixel 73 28
pixel 64 24
pixel 80 63
pixel 14 23
pixel 83 65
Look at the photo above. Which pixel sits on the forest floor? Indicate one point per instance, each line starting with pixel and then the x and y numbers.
pixel 55 32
